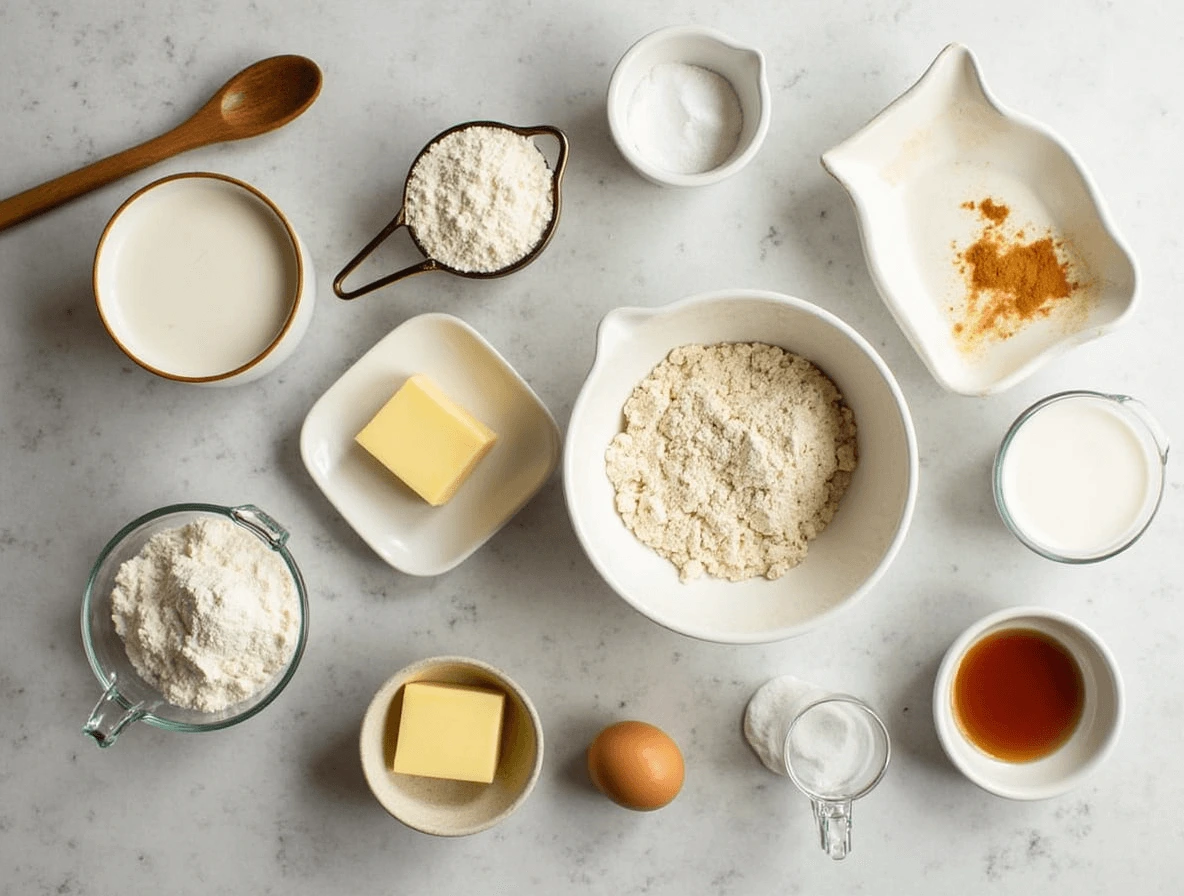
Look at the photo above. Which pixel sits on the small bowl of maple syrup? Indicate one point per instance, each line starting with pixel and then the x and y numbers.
pixel 1027 703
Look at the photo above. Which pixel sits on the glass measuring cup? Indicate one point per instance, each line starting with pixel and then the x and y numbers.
pixel 1152 443
pixel 836 751
pixel 127 697
pixel 432 264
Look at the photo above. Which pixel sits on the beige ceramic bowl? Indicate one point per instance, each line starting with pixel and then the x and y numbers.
pixel 452 808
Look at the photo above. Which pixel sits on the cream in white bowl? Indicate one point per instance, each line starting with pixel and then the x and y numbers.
pixel 200 278
pixel 742 67
pixel 844 562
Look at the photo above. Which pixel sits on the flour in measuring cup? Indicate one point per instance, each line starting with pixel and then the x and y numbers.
pixel 208 615
pixel 479 200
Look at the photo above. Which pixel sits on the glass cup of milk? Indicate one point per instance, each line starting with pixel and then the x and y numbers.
pixel 200 278
pixel 1079 476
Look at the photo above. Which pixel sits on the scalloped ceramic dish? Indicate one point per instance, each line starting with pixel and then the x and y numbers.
pixel 910 172
pixel 844 562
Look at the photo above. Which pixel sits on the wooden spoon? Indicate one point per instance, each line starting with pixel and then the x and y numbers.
pixel 260 98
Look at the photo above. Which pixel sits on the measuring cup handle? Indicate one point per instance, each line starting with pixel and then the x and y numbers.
pixel 834 827
pixel 428 264
pixel 561 138
pixel 110 716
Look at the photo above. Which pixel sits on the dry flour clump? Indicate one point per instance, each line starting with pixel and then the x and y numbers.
pixel 480 199
pixel 734 456
pixel 208 615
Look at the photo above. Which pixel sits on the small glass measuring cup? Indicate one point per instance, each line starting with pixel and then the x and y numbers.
pixel 1154 444
pixel 432 264
pixel 836 751
pixel 127 697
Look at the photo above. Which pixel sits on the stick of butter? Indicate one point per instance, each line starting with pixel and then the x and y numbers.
pixel 427 439
pixel 449 731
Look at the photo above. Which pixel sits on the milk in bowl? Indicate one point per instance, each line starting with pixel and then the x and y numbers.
pixel 200 278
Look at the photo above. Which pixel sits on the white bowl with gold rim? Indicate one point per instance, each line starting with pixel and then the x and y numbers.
pixel 910 173
pixel 200 278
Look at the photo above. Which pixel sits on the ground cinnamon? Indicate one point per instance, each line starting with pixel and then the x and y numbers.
pixel 1009 281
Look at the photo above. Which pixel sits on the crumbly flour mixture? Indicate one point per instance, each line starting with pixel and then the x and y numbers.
pixel 734 456
pixel 480 199
pixel 208 614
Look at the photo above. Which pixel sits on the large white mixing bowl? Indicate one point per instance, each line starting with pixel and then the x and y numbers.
pixel 843 563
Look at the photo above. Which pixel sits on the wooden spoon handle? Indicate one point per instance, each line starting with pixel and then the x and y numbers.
pixel 70 186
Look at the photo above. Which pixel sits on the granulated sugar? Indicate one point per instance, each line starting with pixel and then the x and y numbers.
pixel 480 199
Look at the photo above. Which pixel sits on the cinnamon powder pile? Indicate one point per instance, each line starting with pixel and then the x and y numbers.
pixel 1009 281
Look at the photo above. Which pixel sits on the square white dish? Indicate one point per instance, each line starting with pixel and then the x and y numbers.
pixel 911 171
pixel 403 529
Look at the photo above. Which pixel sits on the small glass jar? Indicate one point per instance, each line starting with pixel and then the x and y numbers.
pixel 1080 474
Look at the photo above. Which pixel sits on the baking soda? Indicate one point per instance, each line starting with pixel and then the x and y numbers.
pixel 684 118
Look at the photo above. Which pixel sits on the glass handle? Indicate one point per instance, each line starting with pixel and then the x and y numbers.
pixel 1153 426
pixel 261 524
pixel 110 716
pixel 834 827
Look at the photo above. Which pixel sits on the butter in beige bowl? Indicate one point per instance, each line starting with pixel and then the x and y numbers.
pixel 439 806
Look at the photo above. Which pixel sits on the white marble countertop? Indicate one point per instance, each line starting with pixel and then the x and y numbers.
pixel 278 805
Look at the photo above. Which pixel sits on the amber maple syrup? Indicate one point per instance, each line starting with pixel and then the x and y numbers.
pixel 1018 694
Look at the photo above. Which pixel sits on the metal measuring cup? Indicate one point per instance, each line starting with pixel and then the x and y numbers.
pixel 432 264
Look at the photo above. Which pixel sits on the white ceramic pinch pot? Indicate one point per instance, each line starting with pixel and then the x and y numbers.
pixel 911 173
pixel 742 66
pixel 843 563
pixel 1087 747
pixel 200 278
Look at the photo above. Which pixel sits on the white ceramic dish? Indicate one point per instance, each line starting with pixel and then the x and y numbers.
pixel 1089 745
pixel 403 529
pixel 948 141
pixel 200 278
pixel 844 562
pixel 743 67
pixel 452 808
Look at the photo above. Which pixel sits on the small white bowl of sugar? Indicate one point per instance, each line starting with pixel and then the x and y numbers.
pixel 688 106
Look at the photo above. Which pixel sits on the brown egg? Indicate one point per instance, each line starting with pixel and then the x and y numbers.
pixel 636 765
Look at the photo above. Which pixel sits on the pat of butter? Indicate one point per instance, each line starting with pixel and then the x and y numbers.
pixel 449 731
pixel 427 440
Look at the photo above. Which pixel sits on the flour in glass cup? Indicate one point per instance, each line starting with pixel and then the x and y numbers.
pixel 208 615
